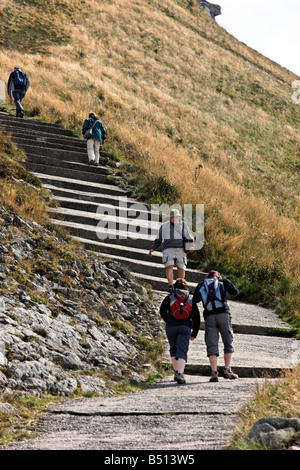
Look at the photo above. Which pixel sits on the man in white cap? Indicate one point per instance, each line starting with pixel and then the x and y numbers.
pixel 18 84
pixel 175 236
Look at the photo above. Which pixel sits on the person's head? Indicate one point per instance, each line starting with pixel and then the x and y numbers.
pixel 212 274
pixel 181 284
pixel 93 115
pixel 175 216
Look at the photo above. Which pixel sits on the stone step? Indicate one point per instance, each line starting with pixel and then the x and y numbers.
pixel 35 136
pixel 113 237
pixel 69 173
pixel 34 125
pixel 79 185
pixel 159 283
pixel 254 356
pixel 115 208
pixel 73 156
pixel 64 164
pixel 65 194
pixel 108 250
pixel 47 142
pixel 142 266
pixel 132 226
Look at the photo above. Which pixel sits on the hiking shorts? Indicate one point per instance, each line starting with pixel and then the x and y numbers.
pixel 179 339
pixel 174 257
pixel 216 324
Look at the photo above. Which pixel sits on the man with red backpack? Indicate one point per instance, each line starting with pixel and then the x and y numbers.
pixel 182 325
pixel 18 84
pixel 212 292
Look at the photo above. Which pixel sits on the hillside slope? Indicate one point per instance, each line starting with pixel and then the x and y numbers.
pixel 205 119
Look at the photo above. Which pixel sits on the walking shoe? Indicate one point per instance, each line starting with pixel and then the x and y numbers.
pixel 171 289
pixel 175 375
pixel 180 378
pixel 228 374
pixel 91 162
pixel 214 376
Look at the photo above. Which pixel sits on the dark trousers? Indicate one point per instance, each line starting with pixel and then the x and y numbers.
pixel 179 340
pixel 18 95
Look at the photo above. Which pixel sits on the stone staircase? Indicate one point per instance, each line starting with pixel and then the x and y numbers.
pixel 90 196
pixel 86 193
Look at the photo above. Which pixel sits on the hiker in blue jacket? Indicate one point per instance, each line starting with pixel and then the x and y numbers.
pixel 95 139
pixel 17 86
pixel 212 292
pixel 182 325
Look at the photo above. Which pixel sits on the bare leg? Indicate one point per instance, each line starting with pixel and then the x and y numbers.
pixel 227 359
pixel 174 363
pixel 181 365
pixel 170 275
pixel 178 364
pixel 181 273
pixel 213 360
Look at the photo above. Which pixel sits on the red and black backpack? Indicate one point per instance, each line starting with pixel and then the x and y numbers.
pixel 180 304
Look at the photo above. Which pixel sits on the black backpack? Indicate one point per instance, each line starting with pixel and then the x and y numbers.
pixel 20 78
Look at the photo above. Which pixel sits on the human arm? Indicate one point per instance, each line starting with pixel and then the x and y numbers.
pixel 103 131
pixel 195 321
pixel 157 242
pixel 164 308
pixel 188 238
pixel 85 126
pixel 10 85
pixel 197 295
pixel 229 286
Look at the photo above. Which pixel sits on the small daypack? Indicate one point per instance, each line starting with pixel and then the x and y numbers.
pixel 180 304
pixel 212 293
pixel 88 132
pixel 20 78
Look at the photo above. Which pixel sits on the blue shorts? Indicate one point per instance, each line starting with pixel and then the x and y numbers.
pixel 179 339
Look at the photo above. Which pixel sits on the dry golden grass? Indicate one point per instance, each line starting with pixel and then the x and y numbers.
pixel 281 398
pixel 25 202
pixel 183 99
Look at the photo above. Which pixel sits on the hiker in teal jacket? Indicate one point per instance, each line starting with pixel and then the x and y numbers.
pixel 96 138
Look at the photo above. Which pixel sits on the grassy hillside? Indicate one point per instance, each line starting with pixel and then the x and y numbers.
pixel 204 118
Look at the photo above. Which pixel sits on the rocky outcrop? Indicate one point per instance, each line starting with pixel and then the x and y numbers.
pixel 213 9
pixel 275 432
pixel 73 324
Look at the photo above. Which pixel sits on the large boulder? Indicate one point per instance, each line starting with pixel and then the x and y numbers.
pixel 275 432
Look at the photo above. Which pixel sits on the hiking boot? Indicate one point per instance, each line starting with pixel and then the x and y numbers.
pixel 91 162
pixel 175 375
pixel 180 378
pixel 214 376
pixel 171 289
pixel 228 374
